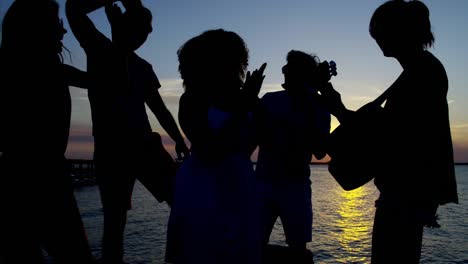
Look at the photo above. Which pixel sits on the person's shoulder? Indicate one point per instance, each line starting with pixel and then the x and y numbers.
pixel 141 65
pixel 434 70
pixel 187 98
pixel 274 95
pixel 139 60
pixel 192 102
pixel 428 77
pixel 432 64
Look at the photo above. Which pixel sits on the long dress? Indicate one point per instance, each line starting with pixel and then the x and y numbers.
pixel 214 214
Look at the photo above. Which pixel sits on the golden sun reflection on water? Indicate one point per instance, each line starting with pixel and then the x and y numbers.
pixel 354 224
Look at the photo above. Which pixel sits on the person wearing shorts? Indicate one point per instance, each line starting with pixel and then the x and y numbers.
pixel 293 126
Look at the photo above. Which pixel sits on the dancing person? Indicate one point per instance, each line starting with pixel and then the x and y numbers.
pixel 143 80
pixel 214 217
pixel 35 110
pixel 416 166
pixel 294 124
pixel 122 83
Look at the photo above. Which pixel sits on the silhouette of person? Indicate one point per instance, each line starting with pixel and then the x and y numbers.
pixel 36 194
pixel 144 83
pixel 122 83
pixel 417 171
pixel 294 124
pixel 214 213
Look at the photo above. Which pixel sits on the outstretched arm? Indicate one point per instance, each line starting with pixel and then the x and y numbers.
pixel 81 25
pixel 165 118
pixel 76 77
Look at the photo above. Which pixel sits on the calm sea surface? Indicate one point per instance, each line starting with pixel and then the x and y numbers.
pixel 341 230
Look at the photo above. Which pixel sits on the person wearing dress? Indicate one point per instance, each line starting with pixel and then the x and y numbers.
pixel 214 217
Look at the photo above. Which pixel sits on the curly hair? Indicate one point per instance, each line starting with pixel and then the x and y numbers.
pixel 302 62
pixel 215 56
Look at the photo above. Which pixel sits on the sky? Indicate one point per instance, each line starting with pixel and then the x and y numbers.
pixel 332 29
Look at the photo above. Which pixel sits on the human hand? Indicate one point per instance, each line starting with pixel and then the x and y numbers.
pixel 332 100
pixel 325 70
pixel 110 2
pixel 253 82
pixel 131 4
pixel 113 13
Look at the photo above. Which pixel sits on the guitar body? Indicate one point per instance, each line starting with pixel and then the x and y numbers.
pixel 355 148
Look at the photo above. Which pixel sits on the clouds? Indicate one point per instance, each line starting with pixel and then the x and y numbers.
pixel 460 141
pixel 459 126
pixel 79 94
pixel 171 87
pixel 270 87
pixel 80 142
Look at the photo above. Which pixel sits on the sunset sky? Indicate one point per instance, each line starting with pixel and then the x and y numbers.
pixel 332 29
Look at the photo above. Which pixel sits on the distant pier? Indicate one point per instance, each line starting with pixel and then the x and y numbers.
pixel 82 172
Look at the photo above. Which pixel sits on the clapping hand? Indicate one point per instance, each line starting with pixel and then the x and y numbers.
pixel 253 83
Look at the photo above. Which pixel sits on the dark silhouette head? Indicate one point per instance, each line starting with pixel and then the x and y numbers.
pixel 299 70
pixel 213 61
pixel 32 29
pixel 401 27
pixel 130 29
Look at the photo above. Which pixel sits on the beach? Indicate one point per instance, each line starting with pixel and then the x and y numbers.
pixel 341 230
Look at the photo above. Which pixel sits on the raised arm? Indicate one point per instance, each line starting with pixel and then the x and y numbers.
pixel 113 12
pixel 76 77
pixel 332 100
pixel 81 25
pixel 131 4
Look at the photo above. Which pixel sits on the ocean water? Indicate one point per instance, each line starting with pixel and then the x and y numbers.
pixel 341 230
